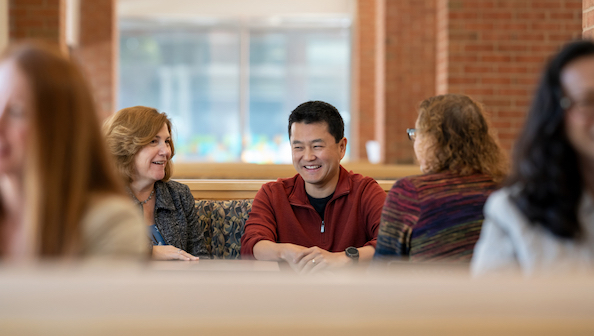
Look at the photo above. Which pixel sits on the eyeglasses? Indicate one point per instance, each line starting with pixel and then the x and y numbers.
pixel 585 106
pixel 412 133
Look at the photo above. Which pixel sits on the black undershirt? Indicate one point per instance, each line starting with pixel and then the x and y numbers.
pixel 319 204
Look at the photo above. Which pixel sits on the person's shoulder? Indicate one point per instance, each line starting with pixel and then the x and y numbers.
pixel 109 209
pixel 174 187
pixel 501 209
pixel 445 177
pixel 357 178
pixel 414 179
pixel 500 199
pixel 411 182
pixel 113 226
pixel 284 184
pixel 100 203
pixel 447 180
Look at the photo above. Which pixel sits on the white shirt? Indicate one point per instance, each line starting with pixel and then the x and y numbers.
pixel 509 242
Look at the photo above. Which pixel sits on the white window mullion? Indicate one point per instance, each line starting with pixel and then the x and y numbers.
pixel 244 84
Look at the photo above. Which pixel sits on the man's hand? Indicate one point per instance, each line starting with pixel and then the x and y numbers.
pixel 170 252
pixel 267 250
pixel 307 260
pixel 315 259
pixel 291 253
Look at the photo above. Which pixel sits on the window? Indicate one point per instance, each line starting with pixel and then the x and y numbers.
pixel 229 85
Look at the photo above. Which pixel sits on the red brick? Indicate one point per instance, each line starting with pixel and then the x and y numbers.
pixel 546 4
pixel 512 69
pixel 37 19
pixel 513 42
pixel 562 16
pixel 416 70
pixel 531 16
pixel 496 58
pixel 487 80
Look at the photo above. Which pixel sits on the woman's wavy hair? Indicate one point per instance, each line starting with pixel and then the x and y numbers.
pixel 129 130
pixel 459 137
pixel 67 163
pixel 545 164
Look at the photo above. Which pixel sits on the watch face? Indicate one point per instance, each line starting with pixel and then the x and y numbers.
pixel 352 252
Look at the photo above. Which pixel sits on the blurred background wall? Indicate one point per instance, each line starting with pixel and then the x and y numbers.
pixel 230 71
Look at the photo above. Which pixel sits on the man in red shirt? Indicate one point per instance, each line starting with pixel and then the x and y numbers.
pixel 324 216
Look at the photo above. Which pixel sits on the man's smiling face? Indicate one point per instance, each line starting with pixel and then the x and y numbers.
pixel 316 156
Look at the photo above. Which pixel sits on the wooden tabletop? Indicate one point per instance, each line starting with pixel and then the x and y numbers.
pixel 210 265
pixel 142 300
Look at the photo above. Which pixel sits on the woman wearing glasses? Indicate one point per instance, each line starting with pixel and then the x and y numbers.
pixel 543 221
pixel 437 216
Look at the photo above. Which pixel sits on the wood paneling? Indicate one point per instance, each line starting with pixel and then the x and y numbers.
pixel 251 171
pixel 226 189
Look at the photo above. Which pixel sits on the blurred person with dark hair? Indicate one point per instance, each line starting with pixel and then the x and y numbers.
pixel 437 216
pixel 543 221
pixel 323 217
pixel 140 138
pixel 59 194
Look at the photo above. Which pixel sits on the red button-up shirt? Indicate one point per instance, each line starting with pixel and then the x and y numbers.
pixel 281 213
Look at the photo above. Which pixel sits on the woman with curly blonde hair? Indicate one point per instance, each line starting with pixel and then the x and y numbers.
pixel 437 216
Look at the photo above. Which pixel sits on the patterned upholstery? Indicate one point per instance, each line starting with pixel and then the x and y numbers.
pixel 223 223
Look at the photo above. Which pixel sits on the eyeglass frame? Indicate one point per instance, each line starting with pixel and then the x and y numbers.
pixel 584 106
pixel 412 133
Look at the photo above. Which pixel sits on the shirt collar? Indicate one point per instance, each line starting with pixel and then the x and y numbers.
pixel 163 197
pixel 298 195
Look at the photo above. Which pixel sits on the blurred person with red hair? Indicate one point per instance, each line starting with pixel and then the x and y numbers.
pixel 59 194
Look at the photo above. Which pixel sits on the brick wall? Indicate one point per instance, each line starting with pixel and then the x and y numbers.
pixel 363 122
pixel 410 71
pixel 491 50
pixel 494 51
pixel 96 51
pixel 39 19
pixel 588 18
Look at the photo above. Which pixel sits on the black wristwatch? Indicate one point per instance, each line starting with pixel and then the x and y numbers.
pixel 353 253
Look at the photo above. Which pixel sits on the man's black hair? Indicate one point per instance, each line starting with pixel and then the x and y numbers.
pixel 318 111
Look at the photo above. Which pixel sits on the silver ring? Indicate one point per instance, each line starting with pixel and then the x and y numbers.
pixel 313 261
pixel 179 251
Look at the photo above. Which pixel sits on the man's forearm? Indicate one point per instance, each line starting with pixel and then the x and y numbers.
pixel 366 253
pixel 267 250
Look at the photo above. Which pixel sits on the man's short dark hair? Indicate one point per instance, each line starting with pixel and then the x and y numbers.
pixel 318 111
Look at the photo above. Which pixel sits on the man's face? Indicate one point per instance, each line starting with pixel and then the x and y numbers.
pixel 316 157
